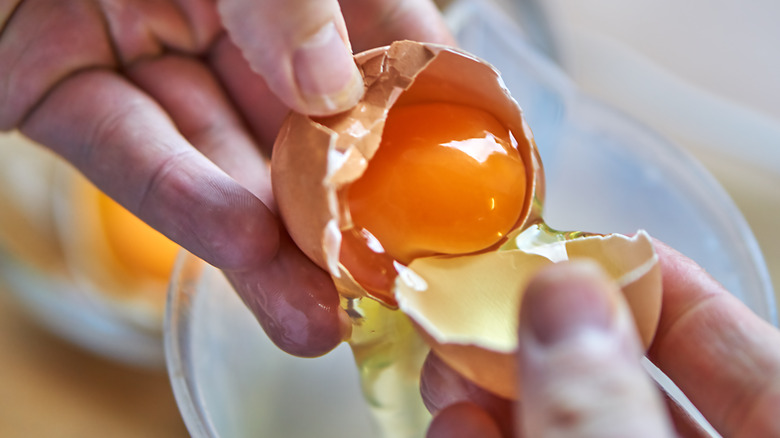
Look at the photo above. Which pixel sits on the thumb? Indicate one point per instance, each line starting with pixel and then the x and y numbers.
pixel 580 360
pixel 300 48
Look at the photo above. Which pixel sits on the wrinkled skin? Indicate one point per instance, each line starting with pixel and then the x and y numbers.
pixel 157 104
pixel 584 379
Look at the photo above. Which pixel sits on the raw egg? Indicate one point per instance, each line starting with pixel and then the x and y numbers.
pixel 427 197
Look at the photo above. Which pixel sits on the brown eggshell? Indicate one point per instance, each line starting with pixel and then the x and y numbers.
pixel 314 159
pixel 467 307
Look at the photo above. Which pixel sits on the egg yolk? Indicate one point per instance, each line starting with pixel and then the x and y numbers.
pixel 446 179
pixel 139 247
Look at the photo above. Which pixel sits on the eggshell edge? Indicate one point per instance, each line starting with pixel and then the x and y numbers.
pixel 630 261
pixel 314 157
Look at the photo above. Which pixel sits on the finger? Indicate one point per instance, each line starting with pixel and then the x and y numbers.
pixel 378 23
pixel 124 142
pixel 580 359
pixel 262 110
pixel 128 146
pixel 441 387
pixel 42 43
pixel 203 113
pixel 295 301
pixel 289 286
pixel 300 47
pixel 463 420
pixel 721 355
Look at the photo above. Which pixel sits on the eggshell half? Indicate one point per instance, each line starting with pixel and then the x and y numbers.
pixel 315 158
pixel 467 307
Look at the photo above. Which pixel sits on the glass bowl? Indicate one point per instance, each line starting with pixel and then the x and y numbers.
pixel 231 381
pixel 55 259
pixel 605 173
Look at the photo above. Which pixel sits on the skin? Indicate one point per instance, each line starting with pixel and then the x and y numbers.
pixel 171 108
pixel 581 375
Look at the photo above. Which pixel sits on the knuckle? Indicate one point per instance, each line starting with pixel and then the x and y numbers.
pixel 42 44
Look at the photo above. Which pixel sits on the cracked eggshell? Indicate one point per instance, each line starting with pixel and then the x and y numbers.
pixel 314 158
pixel 467 307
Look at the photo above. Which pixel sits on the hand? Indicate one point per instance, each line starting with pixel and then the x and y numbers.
pixel 581 375
pixel 156 104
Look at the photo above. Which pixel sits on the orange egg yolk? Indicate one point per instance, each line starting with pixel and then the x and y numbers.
pixel 446 179
pixel 140 248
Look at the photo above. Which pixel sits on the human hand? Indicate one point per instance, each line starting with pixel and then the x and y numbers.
pixel 156 105
pixel 581 374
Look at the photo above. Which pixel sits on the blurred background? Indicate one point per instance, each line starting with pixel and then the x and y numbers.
pixel 50 388
pixel 80 347
pixel 81 307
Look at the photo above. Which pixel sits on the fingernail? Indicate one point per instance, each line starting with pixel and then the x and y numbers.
pixel 327 77
pixel 566 300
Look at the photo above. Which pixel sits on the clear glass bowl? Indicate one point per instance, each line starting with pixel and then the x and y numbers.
pixel 231 381
pixel 54 258
pixel 605 173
